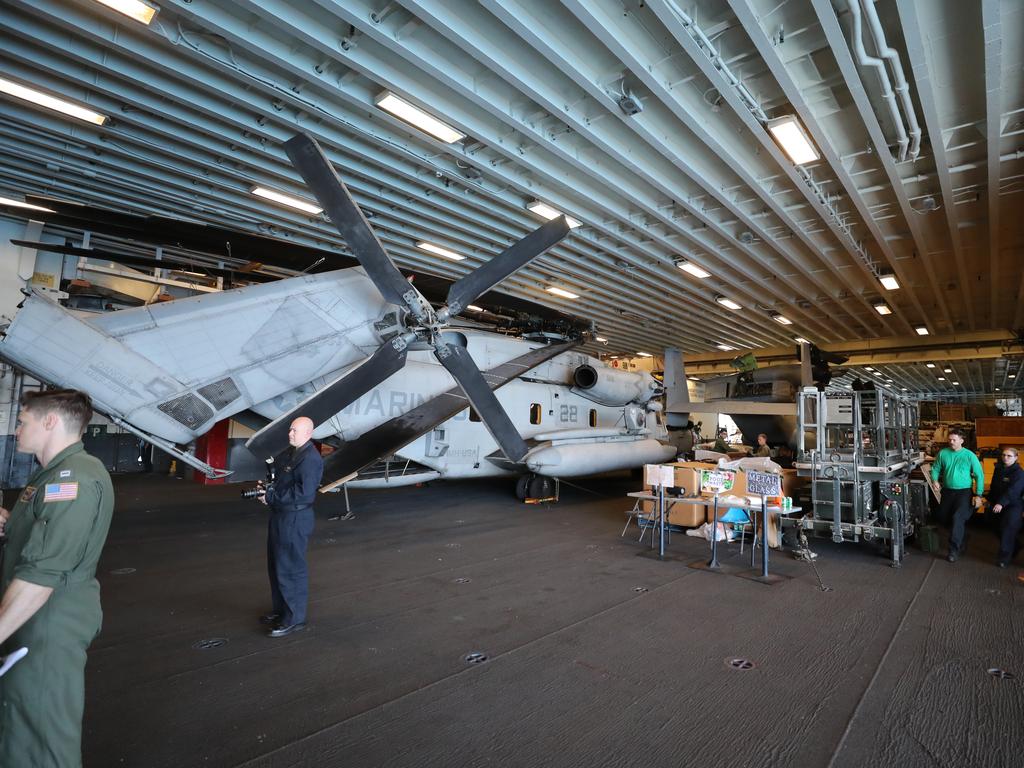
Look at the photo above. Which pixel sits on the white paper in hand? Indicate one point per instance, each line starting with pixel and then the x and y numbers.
pixel 11 659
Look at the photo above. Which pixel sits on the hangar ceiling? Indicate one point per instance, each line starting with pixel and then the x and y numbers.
pixel 645 121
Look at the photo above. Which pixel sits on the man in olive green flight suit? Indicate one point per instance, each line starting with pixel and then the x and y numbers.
pixel 51 599
pixel 720 444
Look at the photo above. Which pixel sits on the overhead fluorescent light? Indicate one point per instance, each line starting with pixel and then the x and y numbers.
pixel 921 330
pixel 725 347
pixel 50 102
pixel 20 204
pixel 601 339
pixel 947 370
pixel 545 211
pixel 440 251
pixel 782 319
pixel 889 282
pixel 693 269
pixel 292 202
pixel 942 378
pixel 800 340
pixel 133 9
pixel 790 135
pixel 929 365
pixel 727 302
pixel 882 308
pixel 474 308
pixel 561 292
pixel 903 389
pixel 693 378
pixel 416 117
pixel 1012 376
pixel 997 389
pixel 955 383
pixel 868 368
pixel 644 354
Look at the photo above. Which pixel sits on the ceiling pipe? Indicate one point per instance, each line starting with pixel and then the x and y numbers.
pixel 705 42
pixel 870 61
pixel 902 88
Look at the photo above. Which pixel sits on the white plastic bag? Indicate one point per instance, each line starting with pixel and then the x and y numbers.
pixel 704 531
pixel 748 463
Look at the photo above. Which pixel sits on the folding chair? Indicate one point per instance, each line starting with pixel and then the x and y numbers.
pixel 631 515
pixel 735 515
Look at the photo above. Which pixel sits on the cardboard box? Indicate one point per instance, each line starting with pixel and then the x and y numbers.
pixel 687 515
pixel 687 476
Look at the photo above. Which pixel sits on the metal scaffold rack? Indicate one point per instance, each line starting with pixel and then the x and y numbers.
pixel 859 450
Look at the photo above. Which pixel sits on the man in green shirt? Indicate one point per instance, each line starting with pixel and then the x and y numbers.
pixel 51 599
pixel 951 479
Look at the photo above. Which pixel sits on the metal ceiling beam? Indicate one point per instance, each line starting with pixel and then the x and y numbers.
pixel 371 64
pixel 462 35
pixel 891 350
pixel 992 29
pixel 840 50
pixel 921 70
pixel 666 13
pixel 422 57
pixel 771 54
pixel 660 134
pixel 991 25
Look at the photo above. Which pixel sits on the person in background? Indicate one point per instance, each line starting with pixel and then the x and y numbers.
pixel 951 480
pixel 762 449
pixel 1005 496
pixel 51 599
pixel 720 442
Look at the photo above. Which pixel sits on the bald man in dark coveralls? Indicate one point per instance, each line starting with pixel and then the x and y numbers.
pixel 290 499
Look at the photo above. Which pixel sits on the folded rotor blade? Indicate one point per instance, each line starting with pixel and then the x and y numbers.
pixel 187 234
pixel 466 290
pixel 460 365
pixel 273 438
pixel 311 162
pixel 168 262
pixel 391 436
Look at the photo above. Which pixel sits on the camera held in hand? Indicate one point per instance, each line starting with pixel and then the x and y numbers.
pixel 255 493
pixel 262 486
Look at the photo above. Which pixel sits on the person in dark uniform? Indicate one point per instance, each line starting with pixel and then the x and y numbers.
pixel 51 599
pixel 1004 494
pixel 290 499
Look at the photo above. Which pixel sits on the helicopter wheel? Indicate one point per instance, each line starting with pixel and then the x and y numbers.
pixel 523 486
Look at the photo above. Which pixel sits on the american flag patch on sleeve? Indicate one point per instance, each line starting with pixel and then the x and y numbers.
pixel 60 492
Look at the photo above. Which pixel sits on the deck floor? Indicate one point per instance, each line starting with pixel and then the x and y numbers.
pixel 597 654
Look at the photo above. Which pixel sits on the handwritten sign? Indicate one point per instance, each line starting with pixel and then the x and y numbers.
pixel 764 484
pixel 717 480
pixel 659 474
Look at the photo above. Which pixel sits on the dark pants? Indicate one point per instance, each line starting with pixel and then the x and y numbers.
pixel 287 538
pixel 955 510
pixel 1012 520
